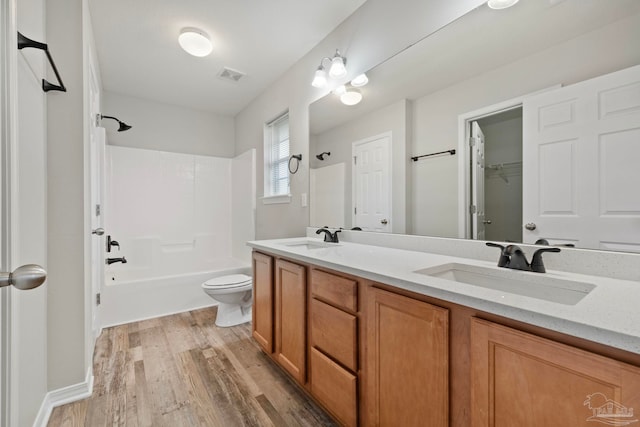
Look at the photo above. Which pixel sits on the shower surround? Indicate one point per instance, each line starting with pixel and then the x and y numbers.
pixel 180 219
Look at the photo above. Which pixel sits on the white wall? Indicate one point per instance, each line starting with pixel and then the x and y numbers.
pixel 503 187
pixel 338 141
pixel 375 32
pixel 243 204
pixel 66 204
pixel 165 127
pixel 435 116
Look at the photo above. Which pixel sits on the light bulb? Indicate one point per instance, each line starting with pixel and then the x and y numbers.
pixel 360 80
pixel 340 90
pixel 337 69
pixel 320 78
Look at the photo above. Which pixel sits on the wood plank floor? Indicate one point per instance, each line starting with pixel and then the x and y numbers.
pixel 182 370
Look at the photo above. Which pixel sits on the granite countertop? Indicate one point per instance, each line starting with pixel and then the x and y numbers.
pixel 609 314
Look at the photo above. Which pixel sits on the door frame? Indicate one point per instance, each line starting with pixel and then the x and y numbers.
pixel 8 129
pixel 354 144
pixel 464 153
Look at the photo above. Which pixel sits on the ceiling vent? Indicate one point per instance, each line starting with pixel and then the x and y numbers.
pixel 231 74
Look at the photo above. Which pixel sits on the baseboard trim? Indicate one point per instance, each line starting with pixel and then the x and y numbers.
pixel 63 396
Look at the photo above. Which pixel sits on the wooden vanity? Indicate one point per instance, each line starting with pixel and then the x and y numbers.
pixel 373 354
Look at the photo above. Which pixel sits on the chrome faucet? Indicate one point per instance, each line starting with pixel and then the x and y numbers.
pixel 328 235
pixel 511 256
pixel 114 260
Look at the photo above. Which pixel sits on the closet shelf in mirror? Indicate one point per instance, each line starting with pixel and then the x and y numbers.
pixel 451 152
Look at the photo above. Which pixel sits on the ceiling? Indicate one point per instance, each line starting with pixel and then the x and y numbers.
pixel 139 55
pixel 457 52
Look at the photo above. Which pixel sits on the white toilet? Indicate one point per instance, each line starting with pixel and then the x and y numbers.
pixel 234 295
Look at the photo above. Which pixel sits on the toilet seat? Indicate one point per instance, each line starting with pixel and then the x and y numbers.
pixel 228 282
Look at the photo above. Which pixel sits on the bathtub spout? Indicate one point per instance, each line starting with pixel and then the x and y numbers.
pixel 113 260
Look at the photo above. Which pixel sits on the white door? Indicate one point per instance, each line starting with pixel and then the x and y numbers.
pixel 97 155
pixel 580 163
pixel 372 183
pixel 477 182
pixel 23 313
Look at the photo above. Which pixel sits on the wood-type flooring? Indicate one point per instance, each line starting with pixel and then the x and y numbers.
pixel 182 370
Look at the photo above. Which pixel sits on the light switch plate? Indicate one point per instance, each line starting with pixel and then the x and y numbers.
pixel 303 200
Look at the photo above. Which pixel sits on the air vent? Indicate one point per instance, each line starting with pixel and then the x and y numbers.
pixel 231 74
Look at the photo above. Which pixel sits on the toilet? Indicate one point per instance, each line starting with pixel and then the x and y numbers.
pixel 234 295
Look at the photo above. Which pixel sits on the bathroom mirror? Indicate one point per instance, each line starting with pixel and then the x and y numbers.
pixel 422 101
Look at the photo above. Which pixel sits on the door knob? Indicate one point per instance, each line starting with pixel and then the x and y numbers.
pixel 530 226
pixel 98 231
pixel 384 222
pixel 486 221
pixel 26 277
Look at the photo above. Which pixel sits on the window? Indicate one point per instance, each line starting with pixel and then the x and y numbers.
pixel 276 159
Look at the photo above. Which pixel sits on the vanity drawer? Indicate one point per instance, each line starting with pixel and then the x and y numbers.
pixel 334 387
pixel 337 290
pixel 334 332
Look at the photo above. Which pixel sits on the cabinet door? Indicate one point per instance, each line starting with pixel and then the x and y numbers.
pixel 263 301
pixel 519 379
pixel 290 318
pixel 407 367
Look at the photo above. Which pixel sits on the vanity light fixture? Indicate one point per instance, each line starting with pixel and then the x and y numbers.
pixel 501 4
pixel 360 80
pixel 195 42
pixel 337 70
pixel 351 97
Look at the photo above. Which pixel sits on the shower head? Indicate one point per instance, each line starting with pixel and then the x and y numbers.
pixel 122 125
pixel 321 155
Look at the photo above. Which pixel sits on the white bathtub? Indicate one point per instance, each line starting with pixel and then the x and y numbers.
pixel 127 298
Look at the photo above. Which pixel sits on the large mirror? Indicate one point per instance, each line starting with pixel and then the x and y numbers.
pixel 468 82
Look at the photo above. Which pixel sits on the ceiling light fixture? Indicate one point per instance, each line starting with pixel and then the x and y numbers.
pixel 501 4
pixel 195 42
pixel 360 80
pixel 337 70
pixel 351 97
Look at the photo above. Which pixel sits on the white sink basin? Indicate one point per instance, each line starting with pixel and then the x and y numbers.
pixel 535 285
pixel 309 244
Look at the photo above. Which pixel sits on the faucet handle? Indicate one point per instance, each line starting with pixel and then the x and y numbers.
pixel 504 258
pixel 536 262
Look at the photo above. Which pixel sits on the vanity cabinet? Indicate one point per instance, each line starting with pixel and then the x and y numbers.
pixel 262 323
pixel 291 318
pixel 407 361
pixel 525 380
pixel 375 355
pixel 334 344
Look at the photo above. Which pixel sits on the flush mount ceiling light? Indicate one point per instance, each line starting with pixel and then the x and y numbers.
pixel 351 97
pixel 360 80
pixel 337 70
pixel 195 42
pixel 501 4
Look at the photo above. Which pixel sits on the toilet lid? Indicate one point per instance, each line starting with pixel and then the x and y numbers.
pixel 229 281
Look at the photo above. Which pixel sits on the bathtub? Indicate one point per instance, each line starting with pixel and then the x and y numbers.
pixel 127 297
